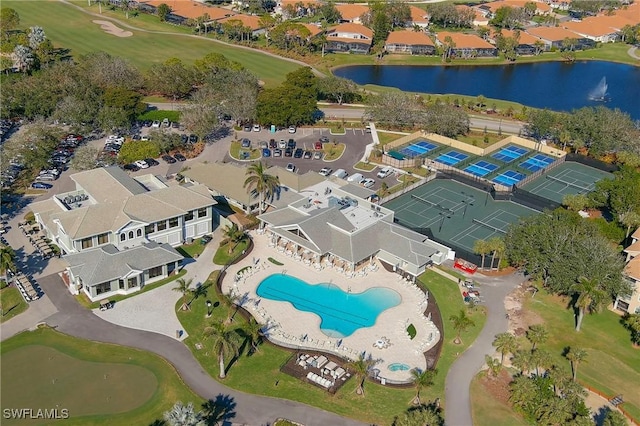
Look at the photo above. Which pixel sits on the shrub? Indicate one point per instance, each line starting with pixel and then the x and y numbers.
pixel 138 150
pixel 412 331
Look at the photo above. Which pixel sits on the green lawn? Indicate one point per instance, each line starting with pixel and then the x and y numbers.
pixel 477 138
pixel 258 373
pixel 12 303
pixel 488 411
pixel 71 28
pixel 612 365
pixel 192 250
pixel 223 257
pixel 385 138
pixel 99 384
pixel 236 149
pixel 367 167
pixel 333 151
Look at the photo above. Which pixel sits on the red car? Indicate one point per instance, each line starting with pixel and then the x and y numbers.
pixel 317 146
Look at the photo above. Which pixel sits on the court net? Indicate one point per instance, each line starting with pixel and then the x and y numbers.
pixel 431 203
pixel 574 185
pixel 486 225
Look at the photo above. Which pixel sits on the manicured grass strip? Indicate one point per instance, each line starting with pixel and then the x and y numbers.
pixel 192 250
pixel 12 303
pixel 385 138
pixel 223 257
pixel 411 330
pixel 70 28
pixel 367 167
pixel 333 151
pixel 259 373
pixel 612 365
pixel 236 150
pixel 138 369
pixel 275 262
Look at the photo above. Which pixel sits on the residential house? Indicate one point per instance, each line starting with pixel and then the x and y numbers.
pixel 352 38
pixel 109 207
pixel 352 12
pixel 188 9
pixel 419 17
pixel 466 45
pixel 296 8
pixel 480 19
pixel 414 43
pixel 252 22
pixel 489 9
pixel 527 42
pixel 602 28
pixel 554 37
pixel 631 304
pixel 105 271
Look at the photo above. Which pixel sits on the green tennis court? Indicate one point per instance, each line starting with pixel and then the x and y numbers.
pixel 455 213
pixel 567 178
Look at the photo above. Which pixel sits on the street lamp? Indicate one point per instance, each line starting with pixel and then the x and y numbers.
pixel 442 217
pixel 209 306
pixel 468 201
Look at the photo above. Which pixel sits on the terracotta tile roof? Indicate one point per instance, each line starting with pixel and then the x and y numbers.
pixel 524 37
pixel 350 12
pixel 552 33
pixel 418 15
pixel 193 9
pixel 283 3
pixel 633 268
pixel 351 28
pixel 493 6
pixel 633 249
pixel 636 234
pixel 591 26
pixel 250 21
pixel 314 29
pixel 631 13
pixel 410 38
pixel 465 41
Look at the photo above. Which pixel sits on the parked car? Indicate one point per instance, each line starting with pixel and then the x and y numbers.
pixel 367 129
pixel 384 172
pixel 368 182
pixel 307 155
pixel 131 167
pixel 41 185
pixel 291 167
pixel 246 128
pixel 324 139
pixel 180 157
pixel 277 153
pixel 141 164
pixel 184 138
pixel 266 152
pixel 282 144
pixel 246 143
pixel 340 173
pixel 318 155
pixel 263 144
pixel 291 143
pixel 166 122
pixel 205 239
pixel 169 159
pixel 299 152
pixel 155 124
pixel 273 144
pixel 317 146
pixel 288 152
pixel 256 128
pixel 355 178
pixel 292 129
pixel 193 138
pixel 151 162
pixel 326 171
pixel 47 177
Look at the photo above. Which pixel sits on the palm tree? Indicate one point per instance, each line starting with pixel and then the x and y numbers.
pixel 505 343
pixel 460 323
pixel 183 415
pixel 632 323
pixel 422 379
pixel 522 360
pixel 481 247
pixel 228 300
pixel 540 358
pixel 225 342
pixel 233 236
pixel 252 330
pixel 537 334
pixel 184 287
pixel 576 356
pixel 494 365
pixel 421 416
pixel 7 258
pixel 498 249
pixel 361 368
pixel 262 183
pixel 590 298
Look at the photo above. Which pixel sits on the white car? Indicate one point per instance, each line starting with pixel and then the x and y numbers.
pixel 368 182
pixel 256 128
pixel 384 172
pixel 340 173
pixel 155 124
pixel 291 167
pixel 292 129
pixel 142 164
pixel 282 144
pixel 326 171
pixel 355 178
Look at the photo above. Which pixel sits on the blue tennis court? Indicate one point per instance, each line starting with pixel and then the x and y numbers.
pixel 509 178
pixel 451 158
pixel 536 162
pixel 481 168
pixel 510 153
pixel 417 149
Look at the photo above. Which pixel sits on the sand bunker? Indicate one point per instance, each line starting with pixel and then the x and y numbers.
pixel 110 28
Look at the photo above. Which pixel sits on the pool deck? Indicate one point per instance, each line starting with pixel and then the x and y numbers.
pixel 300 330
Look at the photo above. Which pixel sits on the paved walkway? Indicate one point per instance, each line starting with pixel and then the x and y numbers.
pixel 633 52
pixel 464 369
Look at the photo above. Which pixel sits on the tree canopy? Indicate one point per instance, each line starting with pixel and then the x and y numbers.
pixel 292 103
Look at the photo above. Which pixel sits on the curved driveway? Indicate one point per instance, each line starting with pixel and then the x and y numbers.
pixel 75 320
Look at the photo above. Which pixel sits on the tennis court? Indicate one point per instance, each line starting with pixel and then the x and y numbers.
pixel 451 158
pixel 537 162
pixel 509 178
pixel 419 148
pixel 481 168
pixel 456 214
pixel 510 153
pixel 567 178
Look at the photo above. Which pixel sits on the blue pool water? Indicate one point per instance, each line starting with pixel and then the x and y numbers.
pixel 341 313
pixel 451 158
pixel 396 366
pixel 510 153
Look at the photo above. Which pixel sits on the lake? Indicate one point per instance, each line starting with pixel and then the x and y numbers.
pixel 558 86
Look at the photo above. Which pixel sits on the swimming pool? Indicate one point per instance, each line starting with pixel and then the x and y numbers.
pixel 397 366
pixel 341 313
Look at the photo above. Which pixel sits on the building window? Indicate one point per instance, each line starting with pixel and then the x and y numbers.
pixel 122 237
pixel 202 212
pixel 103 238
pixel 121 284
pixel 132 282
pixel 149 229
pixel 161 226
pixel 173 222
pixel 87 243
pixel 103 288
pixel 139 233
pixel 130 235
pixel 188 216
pixel 155 272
